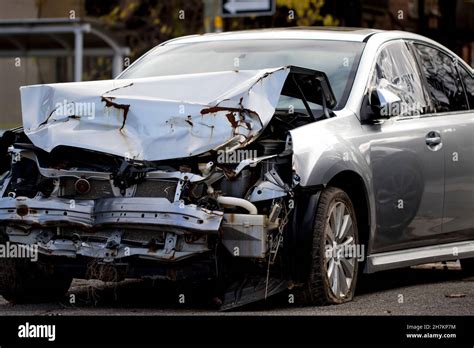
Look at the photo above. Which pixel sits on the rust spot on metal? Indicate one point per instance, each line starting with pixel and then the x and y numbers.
pixel 109 102
pixel 214 109
pixel 228 172
pixel 231 117
pixel 230 218
pixel 153 246
pixel 22 210
pixel 189 120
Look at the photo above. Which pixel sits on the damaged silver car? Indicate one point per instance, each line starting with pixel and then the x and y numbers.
pixel 264 161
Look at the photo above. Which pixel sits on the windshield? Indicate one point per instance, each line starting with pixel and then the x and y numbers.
pixel 338 59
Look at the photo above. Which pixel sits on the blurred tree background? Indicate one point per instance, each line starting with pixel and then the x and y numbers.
pixel 146 23
pixel 143 24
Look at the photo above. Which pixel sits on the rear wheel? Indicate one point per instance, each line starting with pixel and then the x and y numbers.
pixel 24 281
pixel 334 266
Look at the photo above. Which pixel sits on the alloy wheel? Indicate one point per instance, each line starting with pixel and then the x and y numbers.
pixel 340 251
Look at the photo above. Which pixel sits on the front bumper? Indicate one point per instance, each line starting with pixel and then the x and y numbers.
pixel 137 211
pixel 112 229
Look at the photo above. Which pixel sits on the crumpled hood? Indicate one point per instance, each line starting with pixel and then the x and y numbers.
pixel 154 118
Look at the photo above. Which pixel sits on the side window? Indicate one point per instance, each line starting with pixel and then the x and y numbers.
pixel 468 85
pixel 396 70
pixel 443 81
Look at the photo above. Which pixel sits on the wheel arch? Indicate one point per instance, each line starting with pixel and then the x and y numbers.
pixel 353 184
pixel 301 227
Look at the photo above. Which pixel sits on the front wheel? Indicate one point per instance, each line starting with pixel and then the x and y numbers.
pixel 334 265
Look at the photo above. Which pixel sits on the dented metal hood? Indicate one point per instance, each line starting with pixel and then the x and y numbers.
pixel 154 118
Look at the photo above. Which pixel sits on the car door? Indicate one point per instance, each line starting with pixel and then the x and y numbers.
pixel 406 155
pixel 448 81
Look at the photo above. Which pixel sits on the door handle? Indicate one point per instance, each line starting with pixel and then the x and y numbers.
pixel 433 140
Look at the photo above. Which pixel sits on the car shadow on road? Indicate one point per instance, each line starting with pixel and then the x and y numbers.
pixel 394 279
pixel 141 294
pixel 378 282
pixel 163 296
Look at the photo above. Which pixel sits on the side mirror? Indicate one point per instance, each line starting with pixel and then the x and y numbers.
pixel 384 103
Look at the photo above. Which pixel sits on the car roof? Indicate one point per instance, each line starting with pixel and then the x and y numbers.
pixel 312 33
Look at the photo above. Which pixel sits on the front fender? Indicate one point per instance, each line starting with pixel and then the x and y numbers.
pixel 323 149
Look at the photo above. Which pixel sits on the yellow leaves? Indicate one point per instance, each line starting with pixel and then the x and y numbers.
pixel 128 9
pixel 115 11
pixel 121 13
pixel 307 12
pixel 330 21
pixel 164 29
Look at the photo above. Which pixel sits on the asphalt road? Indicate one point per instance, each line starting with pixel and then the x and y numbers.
pixel 434 289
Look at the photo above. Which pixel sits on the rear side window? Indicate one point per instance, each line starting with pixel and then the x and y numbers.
pixel 443 80
pixel 468 81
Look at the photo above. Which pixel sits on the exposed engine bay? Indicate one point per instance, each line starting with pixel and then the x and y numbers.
pixel 221 213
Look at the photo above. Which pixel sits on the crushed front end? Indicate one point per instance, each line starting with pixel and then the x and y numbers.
pixel 151 208
pixel 94 209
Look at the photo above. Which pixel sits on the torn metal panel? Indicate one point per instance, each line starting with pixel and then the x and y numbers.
pixel 267 190
pixel 85 174
pixel 107 251
pixel 155 211
pixel 136 211
pixel 184 114
pixel 252 290
pixel 47 211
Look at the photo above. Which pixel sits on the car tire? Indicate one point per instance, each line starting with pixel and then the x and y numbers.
pixel 24 281
pixel 467 267
pixel 328 270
